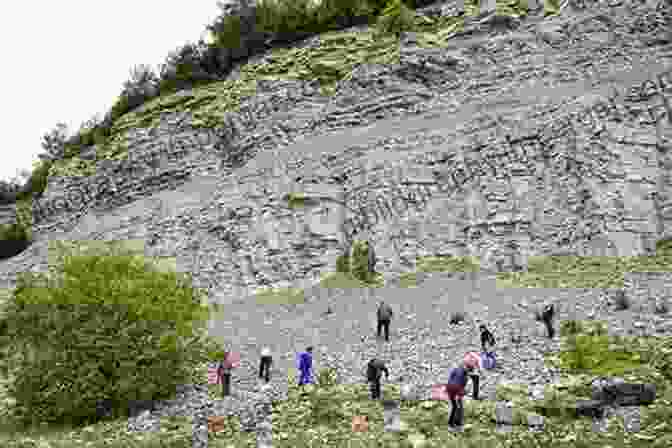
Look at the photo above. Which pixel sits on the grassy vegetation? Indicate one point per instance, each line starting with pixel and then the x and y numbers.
pixel 323 418
pixel 71 339
pixel 290 296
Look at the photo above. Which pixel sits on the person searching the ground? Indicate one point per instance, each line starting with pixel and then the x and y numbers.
pixel 457 382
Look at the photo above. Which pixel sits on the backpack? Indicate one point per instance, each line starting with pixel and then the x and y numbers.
pixel 488 360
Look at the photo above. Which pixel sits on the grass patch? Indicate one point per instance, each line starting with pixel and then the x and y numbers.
pixel 341 280
pixel 299 200
pixel 448 264
pixel 288 296
pixel 583 272
pixel 408 280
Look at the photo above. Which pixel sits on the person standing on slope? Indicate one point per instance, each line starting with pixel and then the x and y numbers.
pixel 374 373
pixel 306 367
pixel 265 364
pixel 457 382
pixel 487 339
pixel 384 315
pixel 224 373
pixel 547 316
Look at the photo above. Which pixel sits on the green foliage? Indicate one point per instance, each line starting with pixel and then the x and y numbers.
pixel 448 263
pixel 568 327
pixel 285 15
pixel 593 351
pixel 664 246
pixel 343 263
pixel 13 232
pixel 327 378
pixel 108 327
pixel 325 406
pixel 395 18
pixel 332 12
pixel 359 263
pixel 38 181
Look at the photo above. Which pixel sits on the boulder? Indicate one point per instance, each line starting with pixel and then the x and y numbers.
pixel 616 392
pixel 589 408
pixel 582 408
pixel 535 422
pixel 409 392
pixel 504 413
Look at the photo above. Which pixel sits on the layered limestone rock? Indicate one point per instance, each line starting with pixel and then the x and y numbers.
pixel 442 151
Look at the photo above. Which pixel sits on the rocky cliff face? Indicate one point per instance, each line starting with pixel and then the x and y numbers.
pixel 553 136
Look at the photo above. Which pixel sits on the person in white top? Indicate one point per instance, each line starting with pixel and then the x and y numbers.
pixel 265 364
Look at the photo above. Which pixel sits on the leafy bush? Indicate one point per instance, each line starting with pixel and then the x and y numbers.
pixel 143 82
pixel 285 15
pixel 395 18
pixel 359 263
pixel 37 182
pixel 183 68
pixel 107 328
pixel 53 142
pixel 341 12
pixel 327 378
pixel 343 263
pixel 13 240
pixel 568 327
pixel 593 351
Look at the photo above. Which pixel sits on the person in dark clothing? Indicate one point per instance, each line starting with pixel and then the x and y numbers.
pixel 224 374
pixel 455 389
pixel 384 318
pixel 487 339
pixel 265 364
pixel 374 372
pixel 547 316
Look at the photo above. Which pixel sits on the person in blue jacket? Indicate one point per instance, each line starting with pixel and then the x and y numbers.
pixel 306 367
pixel 457 382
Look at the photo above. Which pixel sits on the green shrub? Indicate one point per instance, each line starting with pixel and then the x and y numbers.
pixel 568 327
pixel 336 12
pixel 13 232
pixel 37 182
pixel 597 353
pixel 395 18
pixel 359 263
pixel 106 328
pixel 327 378
pixel 14 239
pixel 343 263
